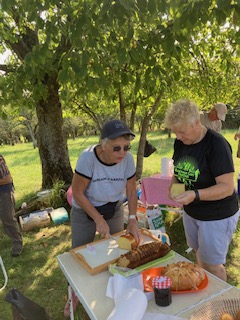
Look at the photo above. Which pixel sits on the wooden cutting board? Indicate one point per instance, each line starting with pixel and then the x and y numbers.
pixel 96 256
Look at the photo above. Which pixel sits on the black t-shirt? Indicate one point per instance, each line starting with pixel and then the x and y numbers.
pixel 197 166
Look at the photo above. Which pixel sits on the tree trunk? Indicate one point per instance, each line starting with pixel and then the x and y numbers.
pixel 143 136
pixel 52 144
pixel 121 104
pixel 133 114
pixel 29 127
pixel 141 146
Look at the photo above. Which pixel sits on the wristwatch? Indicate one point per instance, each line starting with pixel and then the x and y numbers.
pixel 197 197
pixel 132 216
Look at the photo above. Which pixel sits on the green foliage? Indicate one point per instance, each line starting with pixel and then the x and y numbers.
pixel 57 196
pixel 93 48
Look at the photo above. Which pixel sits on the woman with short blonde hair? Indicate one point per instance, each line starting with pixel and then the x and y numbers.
pixel 203 163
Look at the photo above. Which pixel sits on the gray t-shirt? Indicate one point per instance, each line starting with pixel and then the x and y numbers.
pixel 107 182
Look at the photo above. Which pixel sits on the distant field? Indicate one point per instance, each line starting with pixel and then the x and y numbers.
pixel 25 166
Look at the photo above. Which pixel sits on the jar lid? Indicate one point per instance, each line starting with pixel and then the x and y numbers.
pixel 161 282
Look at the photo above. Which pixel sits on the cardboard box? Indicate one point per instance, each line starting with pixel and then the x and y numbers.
pixel 36 219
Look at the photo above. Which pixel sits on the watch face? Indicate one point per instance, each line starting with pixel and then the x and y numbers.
pixel 132 216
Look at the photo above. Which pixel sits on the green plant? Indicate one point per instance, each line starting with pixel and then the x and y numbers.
pixel 57 196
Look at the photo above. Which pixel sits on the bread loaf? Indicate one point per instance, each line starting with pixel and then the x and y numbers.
pixel 143 254
pixel 184 275
pixel 127 242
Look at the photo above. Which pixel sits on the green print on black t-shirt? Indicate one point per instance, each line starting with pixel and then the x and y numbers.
pixel 186 170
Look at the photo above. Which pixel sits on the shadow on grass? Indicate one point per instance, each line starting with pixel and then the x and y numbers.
pixel 36 273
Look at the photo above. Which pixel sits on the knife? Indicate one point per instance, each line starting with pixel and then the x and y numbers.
pixel 112 237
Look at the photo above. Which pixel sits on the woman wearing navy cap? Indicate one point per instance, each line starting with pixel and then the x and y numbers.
pixel 101 175
pixel 103 172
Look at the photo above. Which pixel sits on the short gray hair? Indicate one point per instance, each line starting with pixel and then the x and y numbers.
pixel 183 111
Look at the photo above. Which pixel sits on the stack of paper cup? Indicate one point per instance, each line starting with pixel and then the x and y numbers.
pixel 166 167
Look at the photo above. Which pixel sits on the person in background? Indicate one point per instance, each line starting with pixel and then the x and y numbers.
pixel 7 209
pixel 237 135
pixel 237 138
pixel 203 163
pixel 103 173
pixel 213 119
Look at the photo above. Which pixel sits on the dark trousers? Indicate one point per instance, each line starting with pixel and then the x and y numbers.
pixel 7 212
pixel 83 229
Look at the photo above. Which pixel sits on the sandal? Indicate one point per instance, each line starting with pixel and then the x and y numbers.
pixel 75 302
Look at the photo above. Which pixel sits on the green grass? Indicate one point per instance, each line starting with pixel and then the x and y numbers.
pixel 36 273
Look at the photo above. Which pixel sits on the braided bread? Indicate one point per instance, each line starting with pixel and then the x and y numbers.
pixel 184 275
pixel 143 254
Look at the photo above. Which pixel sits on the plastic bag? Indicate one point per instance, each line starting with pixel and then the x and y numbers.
pixel 24 308
pixel 155 218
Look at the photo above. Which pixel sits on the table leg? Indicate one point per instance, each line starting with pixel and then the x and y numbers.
pixel 71 302
pixel 4 273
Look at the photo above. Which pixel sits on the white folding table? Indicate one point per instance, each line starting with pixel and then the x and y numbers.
pixel 91 291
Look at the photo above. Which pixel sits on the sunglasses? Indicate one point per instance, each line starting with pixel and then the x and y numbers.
pixel 118 148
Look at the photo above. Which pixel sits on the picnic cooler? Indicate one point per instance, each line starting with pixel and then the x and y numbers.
pixel 59 215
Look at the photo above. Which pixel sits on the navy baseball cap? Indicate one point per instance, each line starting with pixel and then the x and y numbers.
pixel 114 129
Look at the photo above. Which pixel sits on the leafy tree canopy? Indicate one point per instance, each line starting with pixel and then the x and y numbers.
pixel 136 55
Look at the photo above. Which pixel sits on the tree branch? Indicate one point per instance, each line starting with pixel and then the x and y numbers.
pixel 3 67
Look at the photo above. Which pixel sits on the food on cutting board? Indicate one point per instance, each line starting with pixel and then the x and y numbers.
pixel 127 242
pixel 226 316
pixel 143 254
pixel 177 189
pixel 184 275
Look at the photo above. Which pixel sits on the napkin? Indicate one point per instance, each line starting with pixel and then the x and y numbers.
pixel 133 302
pixel 130 299
pixel 118 285
pixel 133 305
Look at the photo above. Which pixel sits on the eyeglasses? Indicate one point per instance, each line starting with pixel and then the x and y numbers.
pixel 118 148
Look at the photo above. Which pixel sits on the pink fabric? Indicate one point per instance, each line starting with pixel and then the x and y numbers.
pixel 154 190
pixel 69 195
